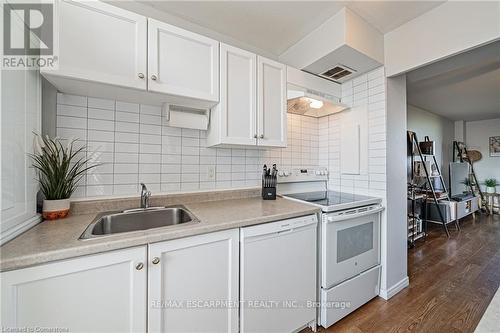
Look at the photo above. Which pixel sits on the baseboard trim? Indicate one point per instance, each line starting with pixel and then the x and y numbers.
pixel 7 235
pixel 388 293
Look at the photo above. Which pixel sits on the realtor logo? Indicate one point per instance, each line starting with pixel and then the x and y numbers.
pixel 28 29
pixel 28 35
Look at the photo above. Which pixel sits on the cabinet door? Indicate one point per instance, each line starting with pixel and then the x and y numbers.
pixel 99 293
pixel 20 105
pixel 237 105
pixel 100 42
pixel 190 276
pixel 182 63
pixel 271 97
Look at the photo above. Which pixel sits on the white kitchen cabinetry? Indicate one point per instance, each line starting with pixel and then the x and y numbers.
pixel 186 275
pixel 109 52
pixel 98 293
pixel 182 63
pixel 252 108
pixel 233 119
pixel 102 43
pixel 271 97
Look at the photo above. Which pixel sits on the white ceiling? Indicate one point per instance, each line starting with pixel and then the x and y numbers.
pixel 274 26
pixel 463 87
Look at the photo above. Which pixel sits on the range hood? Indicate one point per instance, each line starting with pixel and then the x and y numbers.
pixel 311 103
pixel 305 98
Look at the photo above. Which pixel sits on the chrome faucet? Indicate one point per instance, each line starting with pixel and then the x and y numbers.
pixel 145 194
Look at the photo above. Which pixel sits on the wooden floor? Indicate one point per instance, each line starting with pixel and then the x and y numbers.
pixel 452 281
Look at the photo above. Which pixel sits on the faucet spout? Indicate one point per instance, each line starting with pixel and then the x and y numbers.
pixel 145 195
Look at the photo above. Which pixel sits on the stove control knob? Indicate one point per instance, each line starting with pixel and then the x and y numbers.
pixel 318 173
pixel 280 173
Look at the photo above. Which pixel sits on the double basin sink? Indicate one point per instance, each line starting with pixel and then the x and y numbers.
pixel 110 223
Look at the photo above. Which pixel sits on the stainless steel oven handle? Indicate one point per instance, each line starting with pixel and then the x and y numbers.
pixel 338 218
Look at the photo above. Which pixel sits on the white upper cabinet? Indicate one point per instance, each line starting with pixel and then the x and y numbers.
pixel 100 42
pixel 272 105
pixel 98 293
pixel 109 52
pixel 234 117
pixel 199 270
pixel 182 63
pixel 252 108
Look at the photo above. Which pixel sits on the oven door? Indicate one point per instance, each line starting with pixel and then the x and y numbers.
pixel 350 243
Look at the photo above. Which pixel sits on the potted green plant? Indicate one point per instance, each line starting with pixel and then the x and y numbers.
pixel 491 184
pixel 59 169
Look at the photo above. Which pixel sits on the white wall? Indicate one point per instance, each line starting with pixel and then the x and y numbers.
pixel 135 147
pixel 477 134
pixel 394 233
pixel 439 129
pixel 449 29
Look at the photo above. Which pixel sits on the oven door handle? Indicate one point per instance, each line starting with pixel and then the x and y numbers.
pixel 338 218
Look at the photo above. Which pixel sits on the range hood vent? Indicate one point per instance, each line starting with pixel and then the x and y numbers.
pixel 337 72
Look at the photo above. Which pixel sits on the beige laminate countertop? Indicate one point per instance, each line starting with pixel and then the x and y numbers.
pixel 56 240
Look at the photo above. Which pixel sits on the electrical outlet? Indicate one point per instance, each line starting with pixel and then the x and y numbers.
pixel 211 172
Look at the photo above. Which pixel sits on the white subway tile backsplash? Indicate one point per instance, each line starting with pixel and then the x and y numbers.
pixel 127 117
pixel 126 137
pixel 150 129
pixel 149 158
pixel 71 100
pixel 170 168
pixel 150 110
pixel 100 103
pixel 101 114
pixel 126 178
pixel 104 136
pixel 150 149
pixel 121 126
pixel 101 125
pixel 149 119
pixel 190 151
pixel 127 107
pixel 126 158
pixel 66 133
pixel 72 111
pixel 71 122
pixel 135 146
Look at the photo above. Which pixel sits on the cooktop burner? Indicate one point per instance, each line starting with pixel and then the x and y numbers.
pixel 332 200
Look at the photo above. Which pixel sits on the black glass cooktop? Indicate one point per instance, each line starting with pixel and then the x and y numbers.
pixel 329 198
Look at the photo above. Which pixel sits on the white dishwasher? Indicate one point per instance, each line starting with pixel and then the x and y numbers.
pixel 278 276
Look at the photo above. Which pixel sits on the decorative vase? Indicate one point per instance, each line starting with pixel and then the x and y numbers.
pixel 491 189
pixel 55 209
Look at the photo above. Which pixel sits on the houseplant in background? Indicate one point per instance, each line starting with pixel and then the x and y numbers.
pixel 491 184
pixel 59 168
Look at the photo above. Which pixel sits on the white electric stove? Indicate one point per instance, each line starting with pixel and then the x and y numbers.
pixel 349 235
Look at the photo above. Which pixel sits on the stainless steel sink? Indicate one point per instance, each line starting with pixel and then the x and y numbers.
pixel 137 219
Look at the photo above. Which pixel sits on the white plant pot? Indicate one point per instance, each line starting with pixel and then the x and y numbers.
pixel 491 189
pixel 55 209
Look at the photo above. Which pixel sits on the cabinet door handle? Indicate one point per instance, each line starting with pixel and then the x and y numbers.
pixel 255 136
pixel 155 261
pixel 154 77
pixel 139 266
pixel 140 75
pixel 262 136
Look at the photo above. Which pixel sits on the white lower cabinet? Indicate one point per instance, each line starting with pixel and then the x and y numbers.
pixel 193 284
pixel 97 293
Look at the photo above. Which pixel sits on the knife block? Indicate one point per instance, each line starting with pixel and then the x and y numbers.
pixel 269 193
